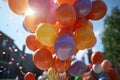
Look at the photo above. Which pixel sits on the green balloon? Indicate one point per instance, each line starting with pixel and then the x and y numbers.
pixel 78 78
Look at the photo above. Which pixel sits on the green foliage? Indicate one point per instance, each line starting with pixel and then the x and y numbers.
pixel 111 36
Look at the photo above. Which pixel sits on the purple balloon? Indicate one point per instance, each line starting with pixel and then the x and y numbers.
pixel 77 68
pixel 40 5
pixel 64 46
pixel 82 7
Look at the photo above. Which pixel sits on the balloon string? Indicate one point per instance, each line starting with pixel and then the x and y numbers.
pixel 22 72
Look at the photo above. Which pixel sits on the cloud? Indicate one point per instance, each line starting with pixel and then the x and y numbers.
pixel 81 53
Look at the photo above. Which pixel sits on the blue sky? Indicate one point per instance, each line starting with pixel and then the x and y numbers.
pixel 11 24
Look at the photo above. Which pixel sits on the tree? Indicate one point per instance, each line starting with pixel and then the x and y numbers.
pixel 111 37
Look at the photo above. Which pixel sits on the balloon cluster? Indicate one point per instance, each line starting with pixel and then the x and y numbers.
pixel 59 29
pixel 100 64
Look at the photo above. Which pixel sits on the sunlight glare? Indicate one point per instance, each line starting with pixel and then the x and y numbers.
pixel 30 12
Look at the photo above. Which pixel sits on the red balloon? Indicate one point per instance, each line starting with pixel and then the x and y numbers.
pixel 106 64
pixel 97 57
pixel 66 31
pixel 66 15
pixel 98 11
pixel 32 43
pixel 29 76
pixel 112 74
pixel 42 58
pixel 80 23
pixel 61 66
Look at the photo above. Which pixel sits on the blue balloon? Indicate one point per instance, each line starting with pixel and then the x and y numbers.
pixel 64 46
pixel 82 7
pixel 77 68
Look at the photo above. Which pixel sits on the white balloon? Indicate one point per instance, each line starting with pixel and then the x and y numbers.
pixel 97 68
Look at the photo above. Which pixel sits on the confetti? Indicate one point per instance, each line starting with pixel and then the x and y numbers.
pixel 5 0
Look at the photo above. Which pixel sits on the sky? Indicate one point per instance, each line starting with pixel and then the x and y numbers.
pixel 11 24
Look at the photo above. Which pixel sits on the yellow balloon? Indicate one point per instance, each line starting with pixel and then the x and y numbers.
pixel 46 34
pixel 52 74
pixel 84 38
pixel 90 25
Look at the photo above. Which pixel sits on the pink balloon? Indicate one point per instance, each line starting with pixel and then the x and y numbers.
pixel 106 64
pixel 40 5
pixel 51 16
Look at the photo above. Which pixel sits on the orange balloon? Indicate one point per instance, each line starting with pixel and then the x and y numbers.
pixel 98 11
pixel 18 6
pixel 97 57
pixel 71 2
pixel 84 38
pixel 32 43
pixel 106 64
pixel 112 74
pixel 29 76
pixel 51 49
pixel 90 25
pixel 61 66
pixel 31 22
pixel 66 15
pixel 42 58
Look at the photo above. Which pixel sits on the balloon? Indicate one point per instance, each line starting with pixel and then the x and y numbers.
pixel 97 57
pixel 106 64
pixel 63 76
pixel 46 34
pixel 97 68
pixel 103 78
pixel 32 42
pixel 51 49
pixel 85 38
pixel 42 58
pixel 18 6
pixel 98 11
pixel 65 15
pixel 31 22
pixel 88 76
pixel 82 7
pixel 78 78
pixel 90 25
pixel 70 2
pixel 62 66
pixel 112 74
pixel 29 76
pixel 57 26
pixel 64 46
pixel 77 68
pixel 66 31
pixel 80 23
pixel 51 16
pixel 40 6
pixel 52 74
